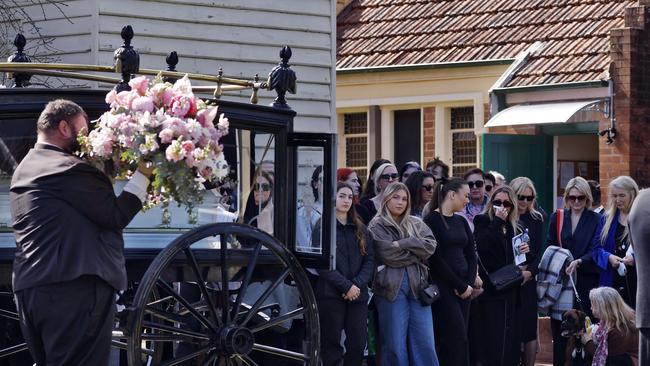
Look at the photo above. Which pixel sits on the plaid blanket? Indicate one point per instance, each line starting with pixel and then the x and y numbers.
pixel 554 289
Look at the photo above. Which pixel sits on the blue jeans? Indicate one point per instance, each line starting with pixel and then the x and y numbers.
pixel 406 330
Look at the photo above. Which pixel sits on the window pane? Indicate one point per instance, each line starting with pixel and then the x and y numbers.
pixel 462 118
pixel 356 151
pixel 463 148
pixel 355 123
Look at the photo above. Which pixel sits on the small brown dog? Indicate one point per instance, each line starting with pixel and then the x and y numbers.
pixel 573 325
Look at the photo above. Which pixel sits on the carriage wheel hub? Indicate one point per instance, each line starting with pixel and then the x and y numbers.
pixel 237 340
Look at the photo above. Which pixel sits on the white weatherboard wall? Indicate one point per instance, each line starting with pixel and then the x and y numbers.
pixel 244 37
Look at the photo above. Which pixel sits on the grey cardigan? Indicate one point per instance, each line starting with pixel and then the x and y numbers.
pixel 411 254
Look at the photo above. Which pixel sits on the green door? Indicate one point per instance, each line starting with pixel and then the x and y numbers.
pixel 523 156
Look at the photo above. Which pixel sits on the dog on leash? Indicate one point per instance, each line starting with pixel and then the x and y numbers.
pixel 573 326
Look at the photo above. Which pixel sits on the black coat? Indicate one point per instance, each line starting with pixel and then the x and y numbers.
pixel 494 249
pixel 351 266
pixel 67 220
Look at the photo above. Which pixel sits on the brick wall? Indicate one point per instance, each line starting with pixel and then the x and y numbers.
pixel 429 133
pixel 629 69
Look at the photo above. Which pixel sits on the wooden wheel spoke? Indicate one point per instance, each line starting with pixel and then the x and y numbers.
pixel 171 329
pixel 265 296
pixel 159 337
pixel 247 360
pixel 247 279
pixel 165 286
pixel 204 291
pixel 275 321
pixel 280 352
pixel 186 357
pixel 165 315
pixel 225 289
pixel 212 357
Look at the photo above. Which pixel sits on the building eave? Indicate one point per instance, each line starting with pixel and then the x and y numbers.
pixel 441 65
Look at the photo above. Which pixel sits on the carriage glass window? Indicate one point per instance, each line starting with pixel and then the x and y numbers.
pixel 245 195
pixel 310 160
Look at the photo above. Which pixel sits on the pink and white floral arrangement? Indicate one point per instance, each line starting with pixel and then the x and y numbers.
pixel 167 125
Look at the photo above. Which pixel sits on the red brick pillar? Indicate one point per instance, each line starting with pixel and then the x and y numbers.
pixel 630 72
pixel 429 133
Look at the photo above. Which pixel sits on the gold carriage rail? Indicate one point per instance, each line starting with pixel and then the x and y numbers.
pixel 127 63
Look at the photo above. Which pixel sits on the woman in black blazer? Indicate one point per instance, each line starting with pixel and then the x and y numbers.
pixel 493 232
pixel 578 230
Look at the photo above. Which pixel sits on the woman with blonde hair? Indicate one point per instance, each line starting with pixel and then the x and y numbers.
pixel 577 228
pixel 403 243
pixel 615 339
pixel 497 310
pixel 532 218
pixel 611 242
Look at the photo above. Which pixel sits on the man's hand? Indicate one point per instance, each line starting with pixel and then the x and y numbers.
pixel 352 294
pixel 146 168
pixel 466 294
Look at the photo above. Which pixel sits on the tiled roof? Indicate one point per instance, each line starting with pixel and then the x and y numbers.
pixel 575 34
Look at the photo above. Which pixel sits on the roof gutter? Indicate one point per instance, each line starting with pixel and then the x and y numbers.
pixel 440 65
pixel 572 85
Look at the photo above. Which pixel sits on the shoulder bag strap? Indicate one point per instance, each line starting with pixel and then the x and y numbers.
pixel 559 218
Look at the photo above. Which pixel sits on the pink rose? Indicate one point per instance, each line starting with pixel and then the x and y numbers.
pixel 110 97
pixel 125 98
pixel 162 94
pixel 188 147
pixel 142 104
pixel 166 135
pixel 206 116
pixel 179 106
pixel 139 84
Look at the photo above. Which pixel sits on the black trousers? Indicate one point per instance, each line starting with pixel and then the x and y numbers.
pixel 68 323
pixel 340 315
pixel 559 343
pixel 451 321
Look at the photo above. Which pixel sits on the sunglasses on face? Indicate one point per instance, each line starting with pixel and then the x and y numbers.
pixel 577 198
pixel 506 204
pixel 389 176
pixel 526 198
pixel 262 187
pixel 428 188
pixel 488 187
pixel 477 184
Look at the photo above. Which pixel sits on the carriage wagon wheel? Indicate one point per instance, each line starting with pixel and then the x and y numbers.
pixel 217 327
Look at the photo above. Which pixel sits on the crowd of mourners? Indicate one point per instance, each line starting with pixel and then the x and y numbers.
pixel 418 253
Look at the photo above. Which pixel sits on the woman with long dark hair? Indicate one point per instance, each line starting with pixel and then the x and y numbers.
pixel 420 185
pixel 493 232
pixel 384 175
pixel 342 293
pixel 453 268
pixel 534 219
pixel 408 169
pixel 403 243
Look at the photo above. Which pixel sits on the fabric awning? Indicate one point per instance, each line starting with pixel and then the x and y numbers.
pixel 546 113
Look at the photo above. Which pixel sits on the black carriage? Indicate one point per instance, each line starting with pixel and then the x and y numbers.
pixel 204 287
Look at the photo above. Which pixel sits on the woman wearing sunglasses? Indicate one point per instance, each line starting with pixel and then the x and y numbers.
pixel 578 229
pixel 477 198
pixel 453 268
pixel 259 210
pixel 497 310
pixel 420 185
pixel 534 219
pixel 384 175
pixel 611 242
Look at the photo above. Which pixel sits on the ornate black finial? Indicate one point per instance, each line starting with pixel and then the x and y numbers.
pixel 172 61
pixel 282 79
pixel 217 92
pixel 20 80
pixel 127 60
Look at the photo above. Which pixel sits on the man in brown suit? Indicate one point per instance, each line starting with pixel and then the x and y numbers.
pixel 68 227
pixel 639 226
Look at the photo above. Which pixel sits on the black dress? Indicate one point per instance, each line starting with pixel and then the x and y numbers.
pixel 497 309
pixel 528 292
pixel 625 285
pixel 453 267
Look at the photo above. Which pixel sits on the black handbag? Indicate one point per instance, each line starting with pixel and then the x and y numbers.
pixel 429 294
pixel 505 277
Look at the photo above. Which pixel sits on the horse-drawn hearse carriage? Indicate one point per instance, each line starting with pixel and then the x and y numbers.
pixel 205 287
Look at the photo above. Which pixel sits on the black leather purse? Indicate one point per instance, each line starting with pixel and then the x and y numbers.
pixel 505 277
pixel 429 294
